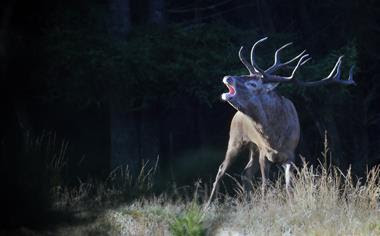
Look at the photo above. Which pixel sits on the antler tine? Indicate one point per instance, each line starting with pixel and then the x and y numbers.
pixel 281 79
pixel 300 62
pixel 250 68
pixel 336 67
pixel 351 76
pixel 305 60
pixel 294 58
pixel 336 78
pixel 276 56
pixel 253 62
pixel 278 64
pixel 331 78
pixel 253 68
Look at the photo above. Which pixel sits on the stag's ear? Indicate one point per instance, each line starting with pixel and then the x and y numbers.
pixel 270 86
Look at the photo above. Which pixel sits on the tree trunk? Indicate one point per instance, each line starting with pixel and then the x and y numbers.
pixel 6 13
pixel 157 14
pixel 123 127
pixel 124 142
pixel 197 12
pixel 305 21
pixel 335 145
pixel 149 134
pixel 120 17
pixel 265 15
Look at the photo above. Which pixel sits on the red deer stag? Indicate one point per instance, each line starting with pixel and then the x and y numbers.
pixel 266 121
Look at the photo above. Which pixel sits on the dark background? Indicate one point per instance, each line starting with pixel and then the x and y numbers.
pixel 122 81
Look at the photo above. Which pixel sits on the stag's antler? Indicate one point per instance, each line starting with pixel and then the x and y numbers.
pixel 302 58
pixel 250 68
pixel 278 64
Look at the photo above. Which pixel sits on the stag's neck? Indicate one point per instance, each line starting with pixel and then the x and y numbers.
pixel 261 108
pixel 265 112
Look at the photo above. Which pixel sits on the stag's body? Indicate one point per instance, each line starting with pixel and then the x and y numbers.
pixel 266 121
pixel 274 132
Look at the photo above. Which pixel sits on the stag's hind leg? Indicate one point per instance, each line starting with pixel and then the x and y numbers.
pixel 250 169
pixel 288 173
pixel 287 167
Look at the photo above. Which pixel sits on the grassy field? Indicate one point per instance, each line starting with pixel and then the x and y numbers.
pixel 324 201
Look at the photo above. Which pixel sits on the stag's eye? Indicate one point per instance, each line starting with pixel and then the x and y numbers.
pixel 251 84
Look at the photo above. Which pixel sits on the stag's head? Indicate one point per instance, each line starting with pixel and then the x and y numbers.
pixel 241 89
pixel 259 82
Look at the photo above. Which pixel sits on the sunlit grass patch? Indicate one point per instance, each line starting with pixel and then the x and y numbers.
pixel 324 201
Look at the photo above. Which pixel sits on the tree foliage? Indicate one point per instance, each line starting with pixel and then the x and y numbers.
pixel 170 66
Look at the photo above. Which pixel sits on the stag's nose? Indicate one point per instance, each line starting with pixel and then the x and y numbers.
pixel 227 79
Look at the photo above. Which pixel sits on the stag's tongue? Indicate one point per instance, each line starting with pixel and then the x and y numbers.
pixel 231 89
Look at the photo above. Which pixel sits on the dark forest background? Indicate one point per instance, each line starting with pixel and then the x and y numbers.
pixel 104 83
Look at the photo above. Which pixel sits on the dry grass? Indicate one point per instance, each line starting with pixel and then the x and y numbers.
pixel 323 202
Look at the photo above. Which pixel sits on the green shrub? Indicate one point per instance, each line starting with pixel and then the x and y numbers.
pixel 189 222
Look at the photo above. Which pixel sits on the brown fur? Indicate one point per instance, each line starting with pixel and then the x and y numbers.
pixel 264 121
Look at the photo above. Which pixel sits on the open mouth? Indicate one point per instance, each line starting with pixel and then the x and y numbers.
pixel 231 91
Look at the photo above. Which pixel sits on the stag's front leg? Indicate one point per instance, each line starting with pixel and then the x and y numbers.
pixel 232 151
pixel 264 168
